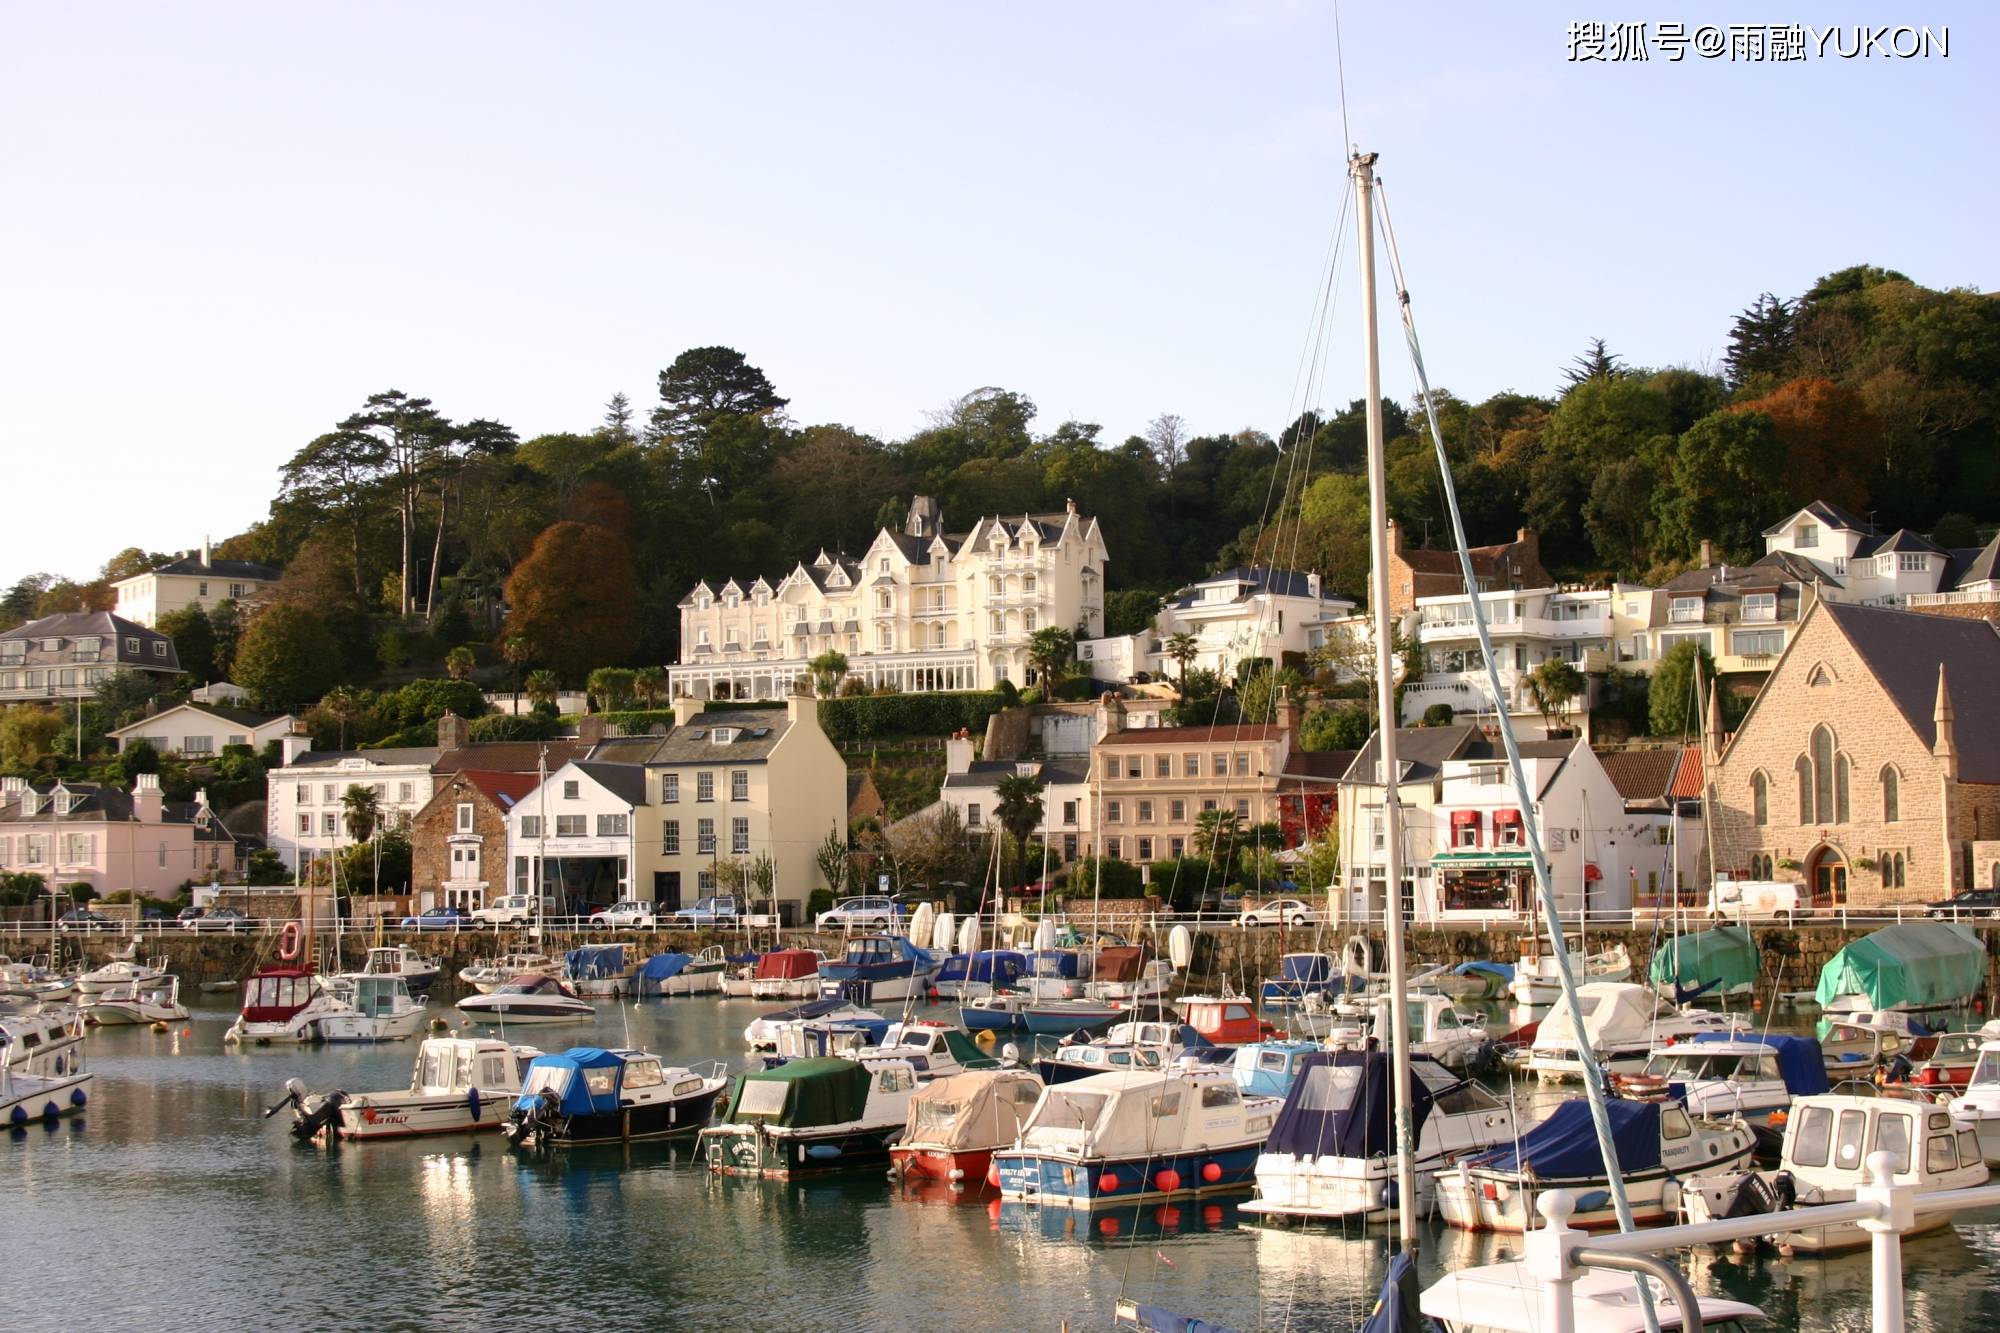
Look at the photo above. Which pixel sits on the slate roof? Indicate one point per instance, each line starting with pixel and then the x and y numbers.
pixel 1282 582
pixel 625 781
pixel 101 804
pixel 242 717
pixel 1421 751
pixel 1904 649
pixel 216 569
pixel 1978 566
pixel 1063 772
pixel 1826 512
pixel 116 631
pixel 695 742
pixel 1320 766
pixel 391 757
pixel 507 756
pixel 1902 539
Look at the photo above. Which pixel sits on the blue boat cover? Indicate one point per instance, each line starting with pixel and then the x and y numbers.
pixel 999 967
pixel 1396 1309
pixel 1306 969
pixel 1342 1105
pixel 664 965
pixel 1053 963
pixel 596 960
pixel 1564 1147
pixel 577 1098
pixel 738 959
pixel 1800 1059
pixel 1505 971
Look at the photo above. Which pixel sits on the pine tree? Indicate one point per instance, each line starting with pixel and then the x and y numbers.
pixel 1760 341
pixel 1597 362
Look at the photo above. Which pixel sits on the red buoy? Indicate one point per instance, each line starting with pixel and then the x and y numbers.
pixel 993 1175
pixel 1108 1183
pixel 1211 1172
pixel 1168 1180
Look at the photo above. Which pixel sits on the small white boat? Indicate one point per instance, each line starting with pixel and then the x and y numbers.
pixel 32 983
pixel 1536 980
pixel 528 998
pixel 934 1050
pixel 484 976
pixel 1123 976
pixel 1624 1023
pixel 398 960
pixel 1828 1141
pixel 460 1085
pixel 1507 1298
pixel 121 972
pixel 1979 1104
pixel 373 1008
pixel 739 983
pixel 281 1004
pixel 700 975
pixel 1750 1075
pixel 786 974
pixel 26 1098
pixel 1436 1029
pixel 47 1043
pixel 158 1001
pixel 763 1032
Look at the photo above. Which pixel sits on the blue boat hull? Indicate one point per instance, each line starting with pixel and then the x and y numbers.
pixel 1064 1183
pixel 989 1020
pixel 1045 1024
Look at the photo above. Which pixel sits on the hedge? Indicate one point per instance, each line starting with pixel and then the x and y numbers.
pixel 507 727
pixel 736 705
pixel 876 715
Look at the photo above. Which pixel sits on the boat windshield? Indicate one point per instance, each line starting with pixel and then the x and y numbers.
pixel 937 1117
pixel 1072 1111
pixel 1956 1045
pixel 552 1078
pixel 1987 1071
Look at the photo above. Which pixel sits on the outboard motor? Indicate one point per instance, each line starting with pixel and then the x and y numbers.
pixel 319 1113
pixel 534 1124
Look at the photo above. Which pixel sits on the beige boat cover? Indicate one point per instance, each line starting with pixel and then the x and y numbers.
pixel 981 1109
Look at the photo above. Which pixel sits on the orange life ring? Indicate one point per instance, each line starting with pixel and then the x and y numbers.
pixel 288 942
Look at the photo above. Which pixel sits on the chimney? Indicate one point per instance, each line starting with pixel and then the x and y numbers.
pixel 146 798
pixel 1395 538
pixel 1110 714
pixel 803 710
pixel 1521 536
pixel 1707 553
pixel 1069 506
pixel 11 788
pixel 958 752
pixel 1945 747
pixel 201 798
pixel 206 561
pixel 1312 585
pixel 590 728
pixel 454 732
pixel 686 709
pixel 1285 714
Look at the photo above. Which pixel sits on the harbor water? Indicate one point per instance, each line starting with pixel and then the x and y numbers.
pixel 173 1204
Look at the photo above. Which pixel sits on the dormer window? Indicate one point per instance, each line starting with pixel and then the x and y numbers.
pixel 1808 535
pixel 763 598
pixel 701 603
pixel 1685 610
pixel 51 645
pixel 730 601
pixel 722 736
pixel 159 647
pixel 884 564
pixel 131 645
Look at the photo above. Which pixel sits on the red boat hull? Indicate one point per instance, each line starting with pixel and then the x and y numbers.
pixel 940 1164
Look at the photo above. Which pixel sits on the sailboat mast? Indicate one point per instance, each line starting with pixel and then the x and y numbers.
pixel 1362 165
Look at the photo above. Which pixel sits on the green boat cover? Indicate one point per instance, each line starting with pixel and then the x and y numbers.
pixel 801 1093
pixel 1723 958
pixel 1916 965
pixel 968 1053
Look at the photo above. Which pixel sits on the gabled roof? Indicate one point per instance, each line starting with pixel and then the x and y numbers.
pixel 1320 766
pixel 1902 539
pixel 1904 651
pixel 1826 512
pixel 1420 751
pixel 241 717
pixel 1689 775
pixel 508 756
pixel 503 789
pixel 1485 559
pixel 125 644
pixel 1640 775
pixel 1980 566
pixel 758 731
pixel 625 781
pixel 1281 582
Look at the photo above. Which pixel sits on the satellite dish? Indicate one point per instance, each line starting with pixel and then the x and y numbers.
pixel 1180 948
pixel 968 935
pixel 920 924
pixel 944 930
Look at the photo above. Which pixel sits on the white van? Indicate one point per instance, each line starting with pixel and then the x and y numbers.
pixel 1752 899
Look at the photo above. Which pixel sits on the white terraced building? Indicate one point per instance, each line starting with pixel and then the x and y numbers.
pixel 920 610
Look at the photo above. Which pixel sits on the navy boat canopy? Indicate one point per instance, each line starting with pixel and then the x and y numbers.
pixel 596 960
pixel 1307 969
pixel 1342 1104
pixel 577 1064
pixel 1800 1059
pixel 996 966
pixel 1564 1147
pixel 1505 971
pixel 661 966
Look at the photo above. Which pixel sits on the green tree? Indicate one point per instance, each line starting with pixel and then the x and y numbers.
pixel 1217 834
pixel 542 687
pixel 762 876
pixel 1671 706
pixel 409 437
pixel 345 707
pixel 1595 363
pixel 194 641
pixel 123 695
pixel 1725 483
pixel 830 858
pixel 1182 648
pixel 361 812
pixel 266 867
pixel 610 688
pixel 27 731
pixel 1018 807
pixel 287 658
pixel 649 683
pixel 1051 654
pixel 138 757
pixel 338 475
pixel 1761 342
pixel 827 669
pixel 459 662
pixel 1335 728
pixel 575 598
pixel 1553 685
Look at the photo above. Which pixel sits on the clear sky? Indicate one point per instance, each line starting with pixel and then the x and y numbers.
pixel 224 226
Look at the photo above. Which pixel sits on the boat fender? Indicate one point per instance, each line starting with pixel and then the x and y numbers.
pixel 51 1111
pixel 1108 1182
pixel 1593 1201
pixel 1211 1172
pixel 77 1097
pixel 1168 1180
pixel 288 941
pixel 824 1152
pixel 19 1115
pixel 1670 1196
pixel 472 1104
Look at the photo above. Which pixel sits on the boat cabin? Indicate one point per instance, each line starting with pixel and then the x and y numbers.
pixel 459 1064
pixel 932 1048
pixel 1228 1021
pixel 1952 1060
pixel 998 968
pixel 1269 1068
pixel 971 1111
pixel 1140 1114
pixel 787 965
pixel 588 1080
pixel 1303 974
pixel 381 995
pixel 1828 1140
pixel 808 1094
pixel 814 1038
pixel 277 994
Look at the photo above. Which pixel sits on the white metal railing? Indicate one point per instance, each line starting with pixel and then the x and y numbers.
pixel 1557 1252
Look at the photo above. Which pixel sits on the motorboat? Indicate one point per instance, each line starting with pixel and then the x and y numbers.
pixel 810 1038
pixel 47 1043
pixel 1264 1068
pixel 1860 1044
pixel 35 984
pixel 398 960
pixel 458 1085
pixel 1332 1153
pixel 1952 1059
pixel 157 1001
pixel 693 974
pixel 1828 1141
pixel 956 1123
pixel 1123 976
pixel 1300 975
pixel 1055 974
pixel 26 1098
pixel 1434 1026
pixel 590 1095
pixel 281 1004
pixel 484 976
pixel 1508 1298
pixel 1979 1104
pixel 1224 1020
pixel 1004 1012
pixel 1719 1074
pixel 739 977
pixel 934 1050
pixel 529 998
pixel 1912 967
pixel 971 976
pixel 786 974
pixel 373 1008
pixel 121 972
pixel 1480 979
pixel 876 968
pixel 1658 1145
pixel 1062 1018
pixel 762 1033
pixel 1719 962
pixel 1136 1136
pixel 1623 1023
pixel 1132 1045
pixel 599 969
pixel 1536 980
pixel 807 1116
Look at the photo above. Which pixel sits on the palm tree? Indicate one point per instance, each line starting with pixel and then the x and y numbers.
pixel 541 686
pixel 1019 810
pixel 364 812
pixel 1051 651
pixel 1552 686
pixel 1215 836
pixel 827 669
pixel 1183 648
pixel 650 684
pixel 458 663
pixel 344 706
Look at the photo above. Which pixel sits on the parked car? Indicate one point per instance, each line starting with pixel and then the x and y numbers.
pixel 187 914
pixel 874 913
pixel 724 910
pixel 515 909
pixel 439 918
pixel 1285 911
pixel 625 914
pixel 84 920
pixel 1973 902
pixel 226 919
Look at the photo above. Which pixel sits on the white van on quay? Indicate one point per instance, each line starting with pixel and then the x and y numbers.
pixel 1752 899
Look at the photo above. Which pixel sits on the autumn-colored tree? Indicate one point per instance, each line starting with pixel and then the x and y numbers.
pixel 1832 441
pixel 575 601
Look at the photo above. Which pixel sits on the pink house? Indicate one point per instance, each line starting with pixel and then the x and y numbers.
pixel 109 839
